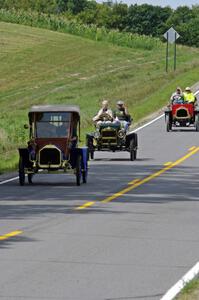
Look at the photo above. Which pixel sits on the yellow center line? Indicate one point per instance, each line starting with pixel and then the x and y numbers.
pixel 133 181
pixel 87 204
pixel 192 148
pixel 136 183
pixel 10 234
pixel 168 163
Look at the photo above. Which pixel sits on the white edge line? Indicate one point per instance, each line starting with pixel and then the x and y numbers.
pixel 177 288
pixel 9 180
pixel 137 129
pixel 147 124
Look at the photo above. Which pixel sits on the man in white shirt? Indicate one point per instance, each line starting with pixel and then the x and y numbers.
pixel 105 114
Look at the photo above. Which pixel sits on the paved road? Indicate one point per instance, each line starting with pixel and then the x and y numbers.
pixel 135 246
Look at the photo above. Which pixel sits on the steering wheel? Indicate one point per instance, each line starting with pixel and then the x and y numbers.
pixel 105 117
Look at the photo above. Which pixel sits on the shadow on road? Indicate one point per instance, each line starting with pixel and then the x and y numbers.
pixel 54 195
pixel 6 244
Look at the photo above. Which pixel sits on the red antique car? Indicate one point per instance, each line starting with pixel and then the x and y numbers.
pixel 182 115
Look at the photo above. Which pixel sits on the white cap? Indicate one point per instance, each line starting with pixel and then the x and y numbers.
pixel 188 88
pixel 120 102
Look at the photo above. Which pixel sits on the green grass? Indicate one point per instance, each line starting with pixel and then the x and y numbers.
pixel 190 291
pixel 41 66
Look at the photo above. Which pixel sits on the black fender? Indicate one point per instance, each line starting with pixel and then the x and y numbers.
pixel 132 136
pixel 25 156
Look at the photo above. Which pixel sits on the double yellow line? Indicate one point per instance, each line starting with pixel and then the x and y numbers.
pixel 138 182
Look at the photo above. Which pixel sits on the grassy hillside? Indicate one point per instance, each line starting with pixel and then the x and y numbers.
pixel 41 66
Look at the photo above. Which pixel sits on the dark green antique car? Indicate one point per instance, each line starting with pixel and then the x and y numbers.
pixel 53 143
pixel 111 136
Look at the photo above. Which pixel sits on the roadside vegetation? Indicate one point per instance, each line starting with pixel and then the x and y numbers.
pixel 190 291
pixel 63 24
pixel 42 66
pixel 142 19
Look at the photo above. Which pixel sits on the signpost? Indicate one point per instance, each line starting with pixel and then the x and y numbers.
pixel 171 36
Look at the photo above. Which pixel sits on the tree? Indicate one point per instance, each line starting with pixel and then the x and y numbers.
pixel 147 19
pixel 76 6
pixel 118 19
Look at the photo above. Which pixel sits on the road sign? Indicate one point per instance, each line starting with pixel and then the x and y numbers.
pixel 171 35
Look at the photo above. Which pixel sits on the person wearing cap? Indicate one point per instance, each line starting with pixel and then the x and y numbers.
pixel 121 115
pixel 177 96
pixel 105 110
pixel 189 96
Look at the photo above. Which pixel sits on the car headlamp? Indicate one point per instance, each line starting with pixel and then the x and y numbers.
pixel 97 135
pixel 121 133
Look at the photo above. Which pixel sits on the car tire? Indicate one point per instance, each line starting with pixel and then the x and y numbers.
pixel 78 170
pixel 30 176
pixel 91 154
pixel 21 172
pixel 84 176
pixel 197 122
pixel 133 151
pixel 168 123
pixel 89 144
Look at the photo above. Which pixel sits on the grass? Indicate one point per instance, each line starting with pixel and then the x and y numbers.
pixel 41 66
pixel 190 291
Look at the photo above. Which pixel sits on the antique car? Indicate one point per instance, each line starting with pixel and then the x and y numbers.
pixel 53 143
pixel 111 136
pixel 182 115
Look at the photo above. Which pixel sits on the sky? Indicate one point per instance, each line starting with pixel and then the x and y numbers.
pixel 171 3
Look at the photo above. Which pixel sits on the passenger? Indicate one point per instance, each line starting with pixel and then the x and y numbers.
pixel 105 110
pixel 177 96
pixel 189 96
pixel 121 115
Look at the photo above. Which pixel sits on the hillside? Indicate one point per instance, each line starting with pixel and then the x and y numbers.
pixel 41 66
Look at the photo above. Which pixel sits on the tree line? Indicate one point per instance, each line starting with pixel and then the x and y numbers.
pixel 142 19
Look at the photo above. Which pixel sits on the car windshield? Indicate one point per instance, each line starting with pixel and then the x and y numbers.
pixel 52 124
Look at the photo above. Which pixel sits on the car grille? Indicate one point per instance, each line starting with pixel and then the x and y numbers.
pixel 108 133
pixel 50 156
pixel 181 113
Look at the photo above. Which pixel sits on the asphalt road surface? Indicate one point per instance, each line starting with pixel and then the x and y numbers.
pixel 115 238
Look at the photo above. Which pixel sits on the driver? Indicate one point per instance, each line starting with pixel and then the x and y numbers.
pixel 121 115
pixel 105 110
pixel 177 96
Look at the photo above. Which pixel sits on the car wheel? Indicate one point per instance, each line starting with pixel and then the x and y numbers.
pixel 168 123
pixel 21 172
pixel 78 170
pixel 91 154
pixel 197 122
pixel 84 176
pixel 89 143
pixel 30 176
pixel 133 151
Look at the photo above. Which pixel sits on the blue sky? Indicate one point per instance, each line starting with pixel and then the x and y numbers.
pixel 172 3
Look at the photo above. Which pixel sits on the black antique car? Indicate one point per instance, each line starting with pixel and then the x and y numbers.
pixel 111 136
pixel 53 143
